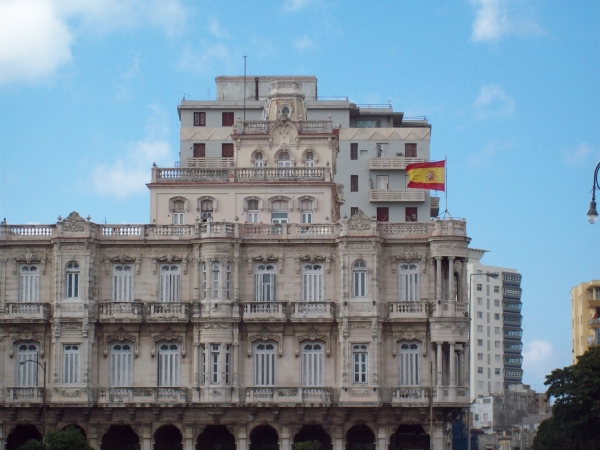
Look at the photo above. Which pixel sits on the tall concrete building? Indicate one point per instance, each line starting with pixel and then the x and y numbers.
pixel 251 312
pixel 496 360
pixel 585 313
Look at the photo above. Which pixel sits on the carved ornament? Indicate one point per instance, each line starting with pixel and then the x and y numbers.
pixel 360 221
pixel 168 335
pixel 26 335
pixel 313 335
pixel 121 336
pixel 73 222
pixel 409 334
pixel 265 334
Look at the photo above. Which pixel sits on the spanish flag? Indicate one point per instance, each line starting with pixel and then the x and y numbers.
pixel 426 175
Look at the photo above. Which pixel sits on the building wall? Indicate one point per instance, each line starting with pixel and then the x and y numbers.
pixel 585 310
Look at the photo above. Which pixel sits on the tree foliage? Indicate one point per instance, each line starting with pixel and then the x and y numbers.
pixel 306 445
pixel 68 439
pixel 575 421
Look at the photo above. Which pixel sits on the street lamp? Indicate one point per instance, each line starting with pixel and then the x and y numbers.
pixel 43 366
pixel 592 214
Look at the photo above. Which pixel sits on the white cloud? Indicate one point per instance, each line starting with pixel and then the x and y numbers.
pixel 209 59
pixel 216 29
pixel 34 40
pixel 295 5
pixel 493 102
pixel 539 359
pixel 304 43
pixel 495 19
pixel 579 155
pixel 485 156
pixel 36 36
pixel 128 174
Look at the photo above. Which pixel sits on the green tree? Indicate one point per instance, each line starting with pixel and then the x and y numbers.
pixel 575 421
pixel 306 445
pixel 68 439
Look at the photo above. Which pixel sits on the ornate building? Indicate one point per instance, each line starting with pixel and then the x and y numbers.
pixel 247 315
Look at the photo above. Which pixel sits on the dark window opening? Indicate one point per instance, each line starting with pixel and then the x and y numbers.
pixel 411 214
pixel 354 151
pixel 353 183
pixel 227 151
pixel 199 150
pixel 199 119
pixel 227 119
pixel 383 214
pixel 410 150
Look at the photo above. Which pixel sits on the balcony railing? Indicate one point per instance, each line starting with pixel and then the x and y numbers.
pixel 168 311
pixel 27 311
pixel 303 126
pixel 116 311
pixel 313 311
pixel 142 395
pixel 393 163
pixel 308 231
pixel 594 323
pixel 408 310
pixel 210 163
pixel 450 308
pixel 397 195
pixel 264 311
pixel 246 174
pixel 410 394
pixel 21 394
pixel 312 395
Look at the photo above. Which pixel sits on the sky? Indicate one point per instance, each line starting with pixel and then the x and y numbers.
pixel 89 92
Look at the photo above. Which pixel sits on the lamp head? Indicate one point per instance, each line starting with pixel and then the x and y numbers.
pixel 592 214
pixel 492 274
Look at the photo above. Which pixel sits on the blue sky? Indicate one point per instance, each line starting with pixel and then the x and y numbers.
pixel 89 90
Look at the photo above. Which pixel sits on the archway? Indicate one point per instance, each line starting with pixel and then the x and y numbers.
pixel 264 437
pixel 215 437
pixel 311 433
pixel 20 435
pixel 120 437
pixel 409 437
pixel 360 437
pixel 81 430
pixel 168 437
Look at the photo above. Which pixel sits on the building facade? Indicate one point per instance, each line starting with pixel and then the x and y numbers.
pixel 585 310
pixel 249 313
pixel 496 360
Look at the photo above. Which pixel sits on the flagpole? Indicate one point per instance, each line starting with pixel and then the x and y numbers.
pixel 446 182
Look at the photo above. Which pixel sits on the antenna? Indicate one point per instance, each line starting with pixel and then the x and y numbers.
pixel 244 88
pixel 185 95
pixel 208 93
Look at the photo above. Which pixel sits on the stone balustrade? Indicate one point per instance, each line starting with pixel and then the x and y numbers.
pixel 239 174
pixel 168 311
pixel 27 311
pixel 449 308
pixel 264 127
pixel 392 163
pixel 120 311
pixel 410 394
pixel 408 310
pixel 152 395
pixel 320 396
pixel 24 394
pixel 313 311
pixel 259 311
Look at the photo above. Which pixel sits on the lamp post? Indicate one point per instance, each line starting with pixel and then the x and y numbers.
pixel 471 275
pixel 43 366
pixel 592 214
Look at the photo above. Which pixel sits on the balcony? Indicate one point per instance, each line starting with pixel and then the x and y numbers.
pixel 448 394
pixel 295 231
pixel 209 163
pixel 249 174
pixel 120 311
pixel 450 308
pixel 24 394
pixel 313 311
pixel 156 395
pixel 413 395
pixel 264 127
pixel 264 311
pixel 393 163
pixel 397 195
pixel 594 323
pixel 317 396
pixel 27 311
pixel 408 310
pixel 216 309
pixel 168 312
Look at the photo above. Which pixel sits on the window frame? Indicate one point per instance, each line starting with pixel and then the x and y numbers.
pixel 353 183
pixel 206 213
pixel 169 364
pixel 26 375
pixel 408 282
pixel 29 283
pixel 123 283
pixel 354 151
pixel 72 279
pixel 71 363
pixel 359 278
pixel 312 364
pixel 199 118
pixel 313 286
pixel 121 364
pixel 265 363
pixel 265 292
pixel 360 363
pixel 227 119
pixel 169 283
pixel 199 150
pixel 409 364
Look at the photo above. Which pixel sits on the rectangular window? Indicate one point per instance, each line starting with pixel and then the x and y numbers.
pixel 266 281
pixel 497 344
pixel 214 363
pixel 312 283
pixel 496 302
pixel 227 150
pixel 479 356
pixel 70 364
pixel 122 283
pixel 496 330
pixel 306 217
pixel 121 364
pixel 360 359
pixel 411 214
pixel 353 183
pixel 29 283
pixel 169 283
pixel 264 364
pixel 279 217
pixel 227 119
pixel 199 119
pixel 497 371
pixel 354 151
pixel 382 182
pixel 27 372
pixel 479 315
pixel 312 364
pixel 383 150
pixel 227 364
pixel 479 301
pixel 479 342
pixel 168 364
pixel 73 280
pixel 353 211
pixel 199 150
pixel 178 218
pixel 410 150
pixel 480 370
pixel 480 287
pixel 216 280
pixel 496 316
pixel 480 328
pixel 383 214
pixel 496 289
pixel 409 357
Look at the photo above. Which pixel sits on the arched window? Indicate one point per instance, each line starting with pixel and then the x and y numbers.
pixel 408 282
pixel 122 283
pixel 306 210
pixel 284 160
pixel 71 364
pixel 312 283
pixel 178 212
pixel 121 364
pixel 206 210
pixel 217 281
pixel 266 281
pixel 29 283
pixel 279 211
pixel 27 372
pixel 73 279
pixel 312 364
pixel 309 159
pixel 409 357
pixel 359 279
pixel 168 364
pixel 169 282
pixel 259 160
pixel 252 208
pixel 264 364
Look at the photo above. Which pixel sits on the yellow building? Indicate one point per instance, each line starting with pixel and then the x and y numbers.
pixel 585 310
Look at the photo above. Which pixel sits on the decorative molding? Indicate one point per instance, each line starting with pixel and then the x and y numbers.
pixel 360 221
pixel 121 336
pixel 264 334
pixel 215 326
pixel 26 335
pixel 168 335
pixel 409 334
pixel 73 222
pixel 313 335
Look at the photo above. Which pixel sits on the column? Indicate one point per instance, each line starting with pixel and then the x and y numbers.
pixel 285 437
pixel 92 436
pixel 381 438
pixel 235 355
pixel 451 287
pixel 146 437
pixel 467 374
pixel 188 437
pixel 438 279
pixel 452 356
pixel 439 367
pixel 242 440
pixel 461 369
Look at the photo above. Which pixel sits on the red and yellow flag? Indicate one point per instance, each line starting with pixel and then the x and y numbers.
pixel 426 175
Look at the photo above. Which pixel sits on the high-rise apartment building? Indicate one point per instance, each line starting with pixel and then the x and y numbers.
pixel 251 312
pixel 585 313
pixel 496 332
